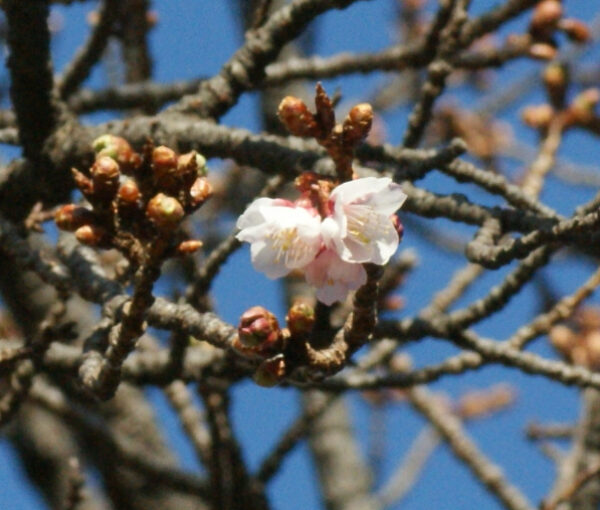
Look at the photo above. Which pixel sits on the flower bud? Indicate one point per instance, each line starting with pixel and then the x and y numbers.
pixel 200 191
pixel 576 30
pixel 165 211
pixel 588 318
pixel 70 217
pixel 296 117
pixel 164 161
pixel 538 116
pixel 129 192
pixel 117 148
pixel 542 51
pixel 91 235
pixel 189 246
pixel 300 319
pixel 583 107
pixel 563 339
pixel 258 327
pixel 546 15
pixel 191 162
pixel 270 371
pixel 358 123
pixel 579 355
pixel 393 303
pixel 556 79
pixel 105 176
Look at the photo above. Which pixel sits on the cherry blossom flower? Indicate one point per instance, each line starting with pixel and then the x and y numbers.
pixel 333 277
pixel 360 228
pixel 282 236
pixel 286 235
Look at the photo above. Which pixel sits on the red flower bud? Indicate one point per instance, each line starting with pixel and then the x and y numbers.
pixel 358 123
pixel 70 217
pixel 546 15
pixel 189 246
pixel 296 117
pixel 129 193
pixel 105 176
pixel 91 235
pixel 200 191
pixel 258 327
pixel 117 148
pixel 575 30
pixel 164 161
pixel 191 163
pixel 300 318
pixel 165 211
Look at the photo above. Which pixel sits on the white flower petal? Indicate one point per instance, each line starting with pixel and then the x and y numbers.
pixel 329 294
pixel 282 237
pixel 253 214
pixel 359 189
pixel 388 200
pixel 362 210
pixel 263 260
pixel 333 277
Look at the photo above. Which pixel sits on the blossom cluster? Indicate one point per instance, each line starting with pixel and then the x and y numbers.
pixel 330 248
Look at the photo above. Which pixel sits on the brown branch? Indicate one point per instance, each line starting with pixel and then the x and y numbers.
pixel 79 68
pixel 450 428
pixel 31 73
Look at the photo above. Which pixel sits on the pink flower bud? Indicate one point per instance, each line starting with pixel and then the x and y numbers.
pixel 258 327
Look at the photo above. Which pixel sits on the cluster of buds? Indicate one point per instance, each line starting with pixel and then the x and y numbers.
pixel 338 139
pixel 580 112
pixel 136 199
pixel 260 338
pixel 546 20
pixel 580 345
